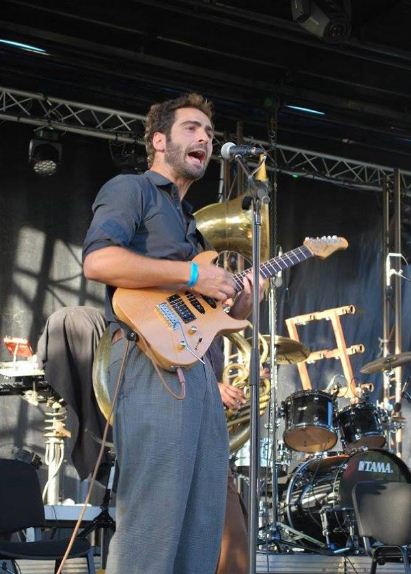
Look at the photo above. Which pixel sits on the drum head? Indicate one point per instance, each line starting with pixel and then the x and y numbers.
pixel 327 482
pixel 310 438
pixel 370 465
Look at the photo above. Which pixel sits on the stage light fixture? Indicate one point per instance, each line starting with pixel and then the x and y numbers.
pixel 329 20
pixel 45 151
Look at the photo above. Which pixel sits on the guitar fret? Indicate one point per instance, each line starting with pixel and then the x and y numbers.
pixel 275 265
pixel 289 257
pixel 264 272
pixel 239 285
pixel 273 269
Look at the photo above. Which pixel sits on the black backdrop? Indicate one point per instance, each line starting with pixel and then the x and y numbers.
pixel 43 222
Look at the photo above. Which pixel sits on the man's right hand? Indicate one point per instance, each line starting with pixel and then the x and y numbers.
pixel 233 397
pixel 215 282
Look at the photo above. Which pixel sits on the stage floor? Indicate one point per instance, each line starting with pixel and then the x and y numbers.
pixel 316 564
pixel 266 564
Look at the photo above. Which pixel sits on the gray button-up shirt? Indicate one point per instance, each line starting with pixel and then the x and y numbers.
pixel 144 214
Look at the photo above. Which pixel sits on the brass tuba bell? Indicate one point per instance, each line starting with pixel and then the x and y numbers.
pixel 228 227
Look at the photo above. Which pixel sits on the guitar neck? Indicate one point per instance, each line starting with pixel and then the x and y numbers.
pixel 275 265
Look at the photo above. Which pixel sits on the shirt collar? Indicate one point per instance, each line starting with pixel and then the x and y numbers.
pixel 161 181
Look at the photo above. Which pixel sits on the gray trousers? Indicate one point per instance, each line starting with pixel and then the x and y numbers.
pixel 172 455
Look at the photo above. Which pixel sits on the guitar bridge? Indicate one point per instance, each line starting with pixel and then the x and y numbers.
pixel 168 315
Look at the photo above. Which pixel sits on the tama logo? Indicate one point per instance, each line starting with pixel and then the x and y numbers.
pixel 371 466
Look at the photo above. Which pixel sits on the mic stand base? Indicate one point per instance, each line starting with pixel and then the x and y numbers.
pixel 103 522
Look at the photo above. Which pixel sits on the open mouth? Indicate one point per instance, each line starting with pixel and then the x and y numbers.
pixel 198 156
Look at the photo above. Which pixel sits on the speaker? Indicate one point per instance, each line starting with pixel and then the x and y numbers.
pixel 329 20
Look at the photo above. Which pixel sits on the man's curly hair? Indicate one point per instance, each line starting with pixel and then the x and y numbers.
pixel 160 118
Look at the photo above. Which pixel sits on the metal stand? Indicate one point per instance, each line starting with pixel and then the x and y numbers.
pixel 259 195
pixel 274 410
pixel 392 299
pixel 104 522
pixel 55 434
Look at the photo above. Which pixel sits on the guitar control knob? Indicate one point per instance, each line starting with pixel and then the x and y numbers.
pixel 193 329
pixel 182 345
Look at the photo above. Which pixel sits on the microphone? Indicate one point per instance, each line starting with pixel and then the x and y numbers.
pixel 232 151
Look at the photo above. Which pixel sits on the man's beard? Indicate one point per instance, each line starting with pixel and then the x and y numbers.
pixel 174 156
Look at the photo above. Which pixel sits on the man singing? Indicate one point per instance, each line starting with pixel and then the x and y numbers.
pixel 172 453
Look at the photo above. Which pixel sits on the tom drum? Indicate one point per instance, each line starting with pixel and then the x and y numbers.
pixel 309 421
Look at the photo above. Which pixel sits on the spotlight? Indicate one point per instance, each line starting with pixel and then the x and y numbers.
pixel 326 19
pixel 45 151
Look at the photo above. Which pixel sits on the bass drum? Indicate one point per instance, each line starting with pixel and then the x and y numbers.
pixel 327 482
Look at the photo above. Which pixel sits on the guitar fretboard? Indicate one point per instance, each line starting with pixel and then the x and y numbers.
pixel 275 265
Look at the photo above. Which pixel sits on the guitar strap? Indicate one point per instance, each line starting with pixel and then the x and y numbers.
pixel 133 337
pixel 129 333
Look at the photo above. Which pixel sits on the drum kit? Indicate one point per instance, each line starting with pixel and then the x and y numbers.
pixel 314 499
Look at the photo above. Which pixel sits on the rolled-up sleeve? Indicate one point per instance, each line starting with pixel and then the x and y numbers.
pixel 118 211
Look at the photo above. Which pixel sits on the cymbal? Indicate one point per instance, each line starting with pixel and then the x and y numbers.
pixel 386 363
pixel 290 351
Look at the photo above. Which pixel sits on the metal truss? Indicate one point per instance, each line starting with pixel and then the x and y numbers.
pixel 67 116
pixel 345 172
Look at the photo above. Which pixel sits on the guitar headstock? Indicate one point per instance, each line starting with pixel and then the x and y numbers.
pixel 323 247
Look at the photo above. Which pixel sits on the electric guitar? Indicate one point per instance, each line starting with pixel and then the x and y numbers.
pixel 175 329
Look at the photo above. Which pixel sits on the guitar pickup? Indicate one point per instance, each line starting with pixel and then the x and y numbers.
pixel 179 307
pixel 195 302
pixel 210 301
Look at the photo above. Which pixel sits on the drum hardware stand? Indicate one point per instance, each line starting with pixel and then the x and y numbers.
pixel 295 535
pixel 327 532
pixel 325 525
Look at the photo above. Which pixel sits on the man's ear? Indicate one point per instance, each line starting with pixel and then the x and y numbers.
pixel 159 141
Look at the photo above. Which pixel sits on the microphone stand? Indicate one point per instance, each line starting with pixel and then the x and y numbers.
pixel 259 195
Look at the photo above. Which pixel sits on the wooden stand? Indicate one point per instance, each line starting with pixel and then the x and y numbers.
pixel 341 352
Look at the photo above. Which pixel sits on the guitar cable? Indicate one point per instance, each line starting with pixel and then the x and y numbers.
pixel 99 457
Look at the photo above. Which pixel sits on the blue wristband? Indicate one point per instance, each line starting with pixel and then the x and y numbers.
pixel 193 274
